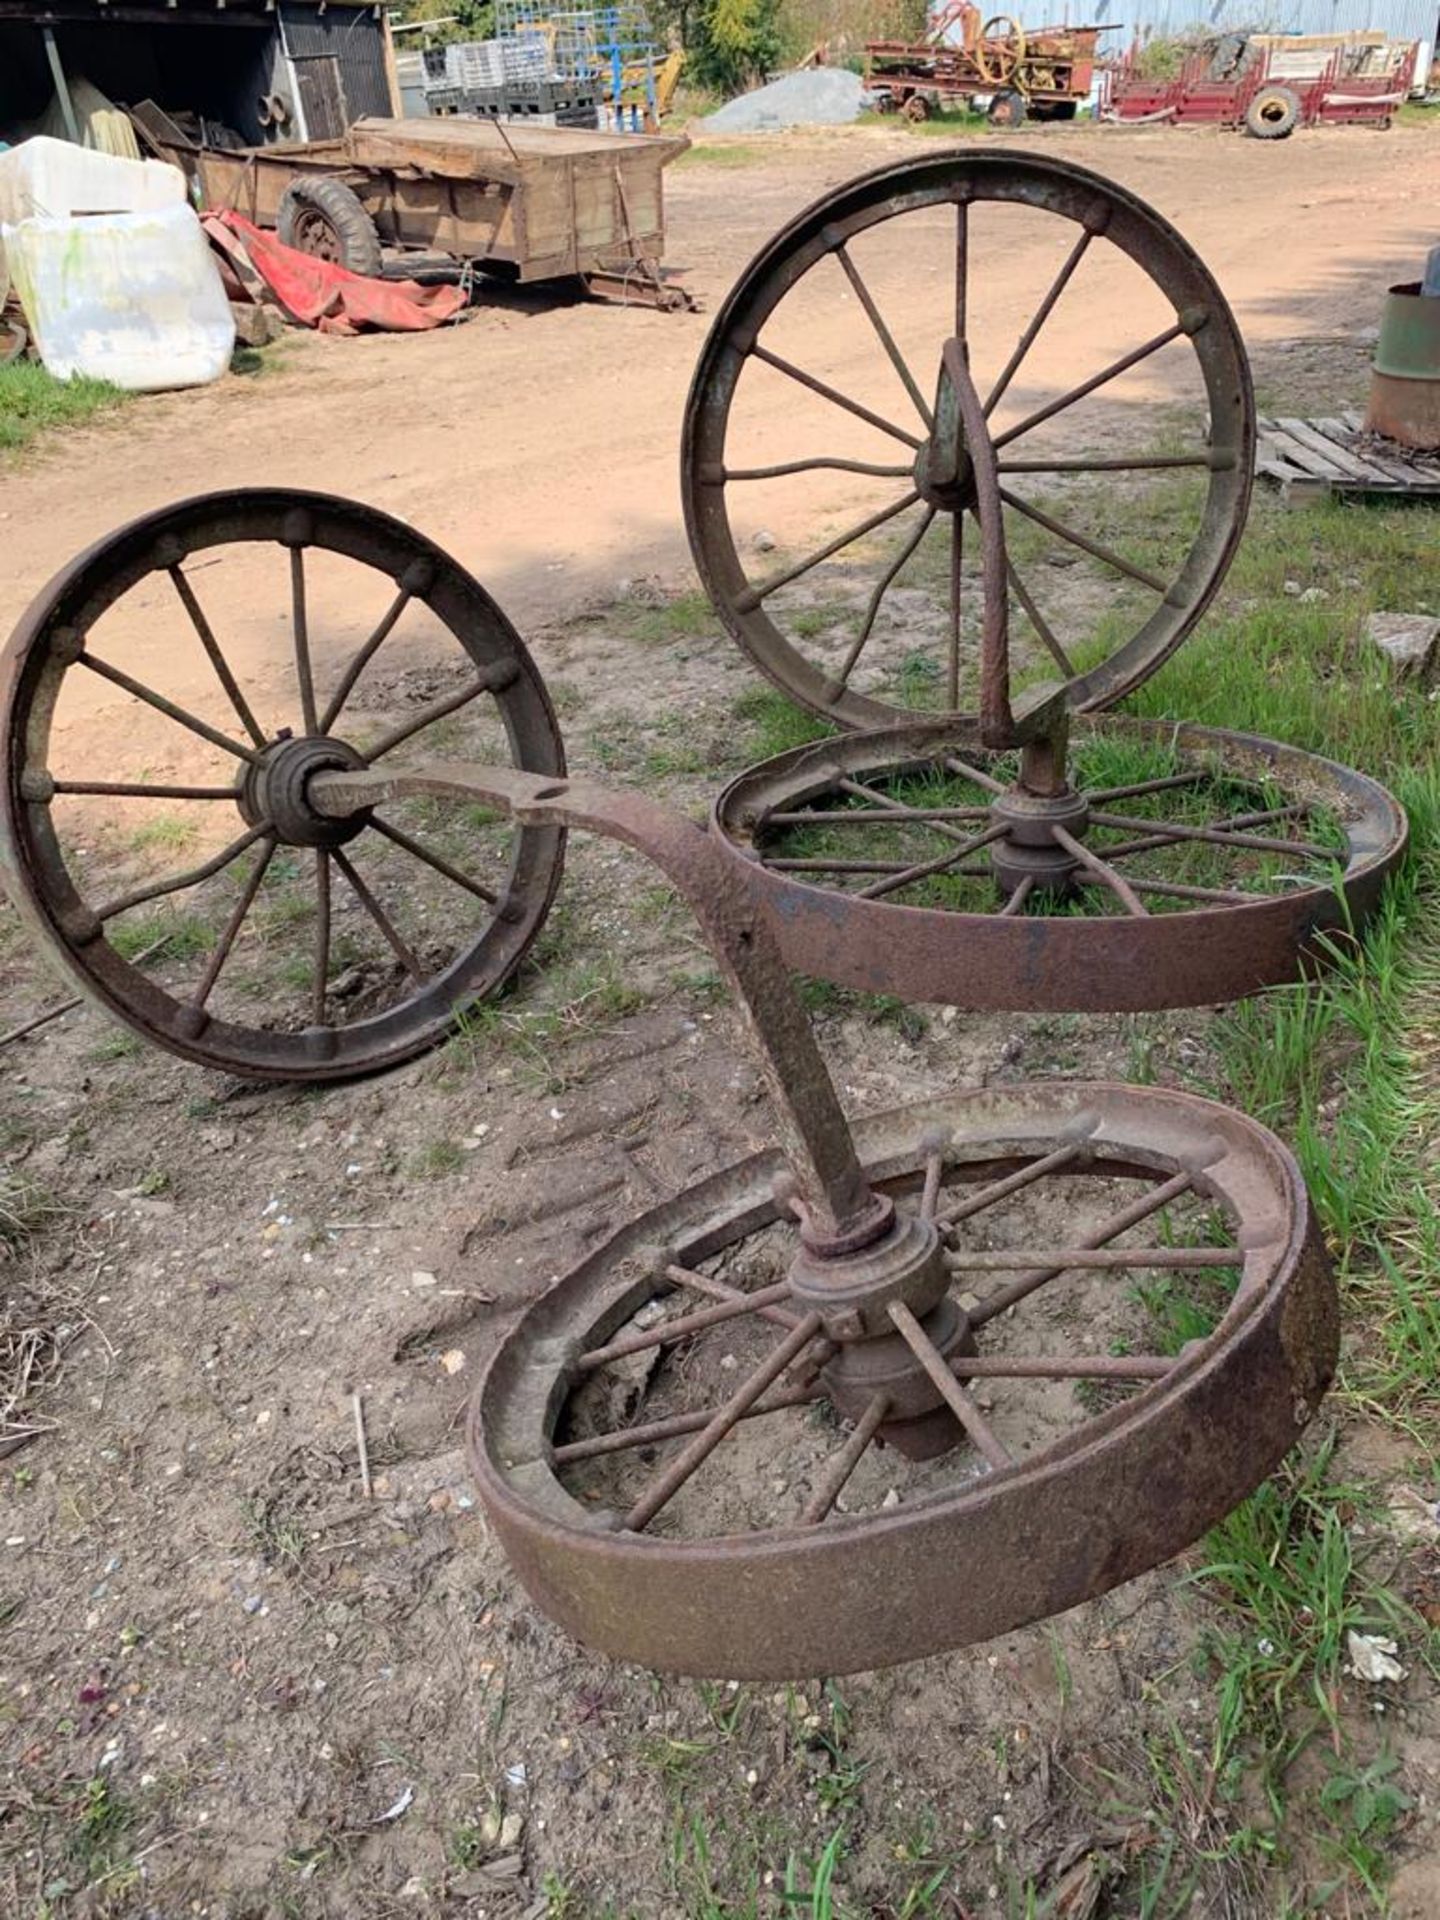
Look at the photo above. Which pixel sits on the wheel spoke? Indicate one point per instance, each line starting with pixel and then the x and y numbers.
pixel 886 338
pixel 320 980
pixel 363 658
pixel 818 865
pixel 300 622
pixel 1237 822
pixel 1038 621
pixel 1228 896
pixel 835 397
pixel 967 772
pixel 837 685
pixel 683 1326
pixel 1121 463
pixel 871 816
pixel 930 1192
pixel 168 707
pixel 1095 548
pixel 217 659
pixel 843 1464
pixel 435 860
pixel 1111 1229
pixel 1106 875
pixel 1103 378
pixel 952 661
pixel 719 1290
pixel 438 710
pixel 1053 1162
pixel 233 925
pixel 709 1437
pixel 949 1388
pixel 139 790
pixel 1100 1259
pixel 899 811
pixel 1039 317
pixel 879 888
pixel 725 475
pixel 382 920
pixel 1163 785
pixel 1217 836
pixel 191 878
pixel 1005 1366
pixel 962 269
pixel 751 598
pixel 675 1427
pixel 1016 903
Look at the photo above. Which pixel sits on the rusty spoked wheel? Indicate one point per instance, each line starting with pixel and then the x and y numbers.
pixel 827 490
pixel 1160 865
pixel 1099 1317
pixel 168 698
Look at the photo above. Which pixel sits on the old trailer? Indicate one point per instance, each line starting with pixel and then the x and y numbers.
pixel 1043 73
pixel 523 203
pixel 1270 84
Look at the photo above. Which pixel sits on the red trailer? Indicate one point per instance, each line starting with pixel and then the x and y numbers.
pixel 1270 85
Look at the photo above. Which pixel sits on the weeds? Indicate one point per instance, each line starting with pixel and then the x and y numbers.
pixel 33 403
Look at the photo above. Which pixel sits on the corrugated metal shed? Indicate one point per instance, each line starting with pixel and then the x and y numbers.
pixel 1400 19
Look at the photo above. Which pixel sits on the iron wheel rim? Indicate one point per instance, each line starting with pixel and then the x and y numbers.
pixel 1027 962
pixel 835 1596
pixel 966 177
pixel 64 919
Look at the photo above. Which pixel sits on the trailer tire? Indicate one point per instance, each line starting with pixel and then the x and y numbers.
pixel 1006 109
pixel 1273 114
pixel 324 218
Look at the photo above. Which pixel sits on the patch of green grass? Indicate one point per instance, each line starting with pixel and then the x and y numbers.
pixel 33 403
pixel 688 616
pixel 26 1208
pixel 164 934
pixel 164 834
pixel 437 1159
pixel 773 724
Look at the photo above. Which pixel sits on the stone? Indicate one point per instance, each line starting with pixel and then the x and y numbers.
pixel 1407 640
pixel 256 326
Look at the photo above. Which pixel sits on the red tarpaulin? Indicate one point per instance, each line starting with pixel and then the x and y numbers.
pixel 316 293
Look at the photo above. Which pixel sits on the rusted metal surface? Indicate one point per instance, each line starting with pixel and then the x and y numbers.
pixel 267 772
pixel 821 1589
pixel 1060 948
pixel 917 453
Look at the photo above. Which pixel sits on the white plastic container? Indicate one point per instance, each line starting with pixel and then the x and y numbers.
pixel 55 180
pixel 132 298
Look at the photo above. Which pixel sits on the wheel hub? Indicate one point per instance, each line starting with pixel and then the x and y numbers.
pixel 1030 849
pixel 275 788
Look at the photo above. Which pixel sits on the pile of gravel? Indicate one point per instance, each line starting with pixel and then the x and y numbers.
pixel 813 97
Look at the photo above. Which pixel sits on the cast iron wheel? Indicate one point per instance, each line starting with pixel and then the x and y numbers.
pixel 324 218
pixel 1006 109
pixel 916 109
pixel 1273 114
pixel 161 840
pixel 704 1491
pixel 13 339
pixel 872 617
pixel 1175 866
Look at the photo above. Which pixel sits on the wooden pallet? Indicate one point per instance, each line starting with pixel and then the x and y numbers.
pixel 1308 459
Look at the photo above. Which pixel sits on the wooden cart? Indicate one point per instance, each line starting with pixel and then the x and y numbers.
pixel 531 203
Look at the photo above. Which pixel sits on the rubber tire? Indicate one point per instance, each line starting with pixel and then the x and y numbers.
pixel 1006 109
pixel 1280 128
pixel 360 249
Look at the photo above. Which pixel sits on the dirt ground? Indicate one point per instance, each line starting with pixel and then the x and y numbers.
pixel 231 1685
